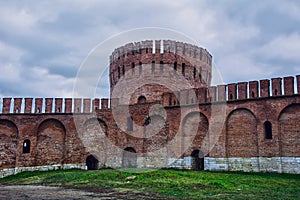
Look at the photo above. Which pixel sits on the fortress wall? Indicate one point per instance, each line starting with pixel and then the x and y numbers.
pixel 279 154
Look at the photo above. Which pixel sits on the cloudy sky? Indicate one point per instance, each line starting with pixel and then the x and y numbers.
pixel 43 43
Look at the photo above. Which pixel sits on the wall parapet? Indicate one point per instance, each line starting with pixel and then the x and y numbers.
pixel 54 105
pixel 265 88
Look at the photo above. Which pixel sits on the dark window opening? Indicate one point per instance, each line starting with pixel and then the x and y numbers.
pixel 175 66
pixel 140 51
pixel 195 71
pixel 252 94
pixel 38 110
pixel 132 52
pixel 276 92
pixel 119 72
pixel 197 160
pixel 161 67
pixel 140 68
pixel 92 162
pixel 183 69
pixel 268 130
pixel 26 146
pixel 230 97
pixel 146 50
pixel 123 69
pixel 129 124
pixel 174 102
pixel 153 67
pixel 58 109
pixel 132 68
pixel 142 99
pixel 147 122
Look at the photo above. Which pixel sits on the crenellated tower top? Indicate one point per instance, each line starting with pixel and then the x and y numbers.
pixel 149 59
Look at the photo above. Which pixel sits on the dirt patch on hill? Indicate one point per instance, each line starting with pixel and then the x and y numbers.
pixel 33 192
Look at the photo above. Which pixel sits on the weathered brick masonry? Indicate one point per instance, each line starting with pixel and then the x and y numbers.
pixel 247 126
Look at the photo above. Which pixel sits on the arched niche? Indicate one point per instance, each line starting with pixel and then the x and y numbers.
pixel 241 134
pixel 289 130
pixel 8 143
pixel 50 142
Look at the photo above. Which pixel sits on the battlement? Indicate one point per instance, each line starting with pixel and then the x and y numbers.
pixel 235 91
pixel 265 88
pixel 54 105
pixel 147 60
pixel 160 47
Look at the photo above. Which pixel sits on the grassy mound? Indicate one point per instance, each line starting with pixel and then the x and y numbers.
pixel 172 183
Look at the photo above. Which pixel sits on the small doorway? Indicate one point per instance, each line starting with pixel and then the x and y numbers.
pixel 129 158
pixel 92 162
pixel 197 160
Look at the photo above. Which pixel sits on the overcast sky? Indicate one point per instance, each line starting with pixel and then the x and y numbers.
pixel 43 43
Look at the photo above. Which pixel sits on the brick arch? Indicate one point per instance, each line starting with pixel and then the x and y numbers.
pixel 8 143
pixel 94 138
pixel 289 130
pixel 50 142
pixel 96 124
pixel 241 134
pixel 194 129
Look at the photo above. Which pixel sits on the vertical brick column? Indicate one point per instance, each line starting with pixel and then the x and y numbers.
pixel 264 88
pixel 96 104
pixel 68 105
pixel 104 103
pixel 213 93
pixel 28 105
pixel 253 89
pixel 58 105
pixel 221 92
pixel 86 105
pixel 288 85
pixel 242 90
pixel 276 86
pixel 38 105
pixel 6 105
pixel 77 105
pixel 49 104
pixel 202 95
pixel 298 84
pixel 17 105
pixel 232 91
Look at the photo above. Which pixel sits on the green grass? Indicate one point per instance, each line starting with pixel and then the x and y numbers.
pixel 173 183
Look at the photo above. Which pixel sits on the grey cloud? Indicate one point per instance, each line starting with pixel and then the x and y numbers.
pixel 56 36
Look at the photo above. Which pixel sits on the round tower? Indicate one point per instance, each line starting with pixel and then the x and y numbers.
pixel 142 65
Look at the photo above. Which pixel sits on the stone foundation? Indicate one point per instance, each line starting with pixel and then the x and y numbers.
pixel 13 171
